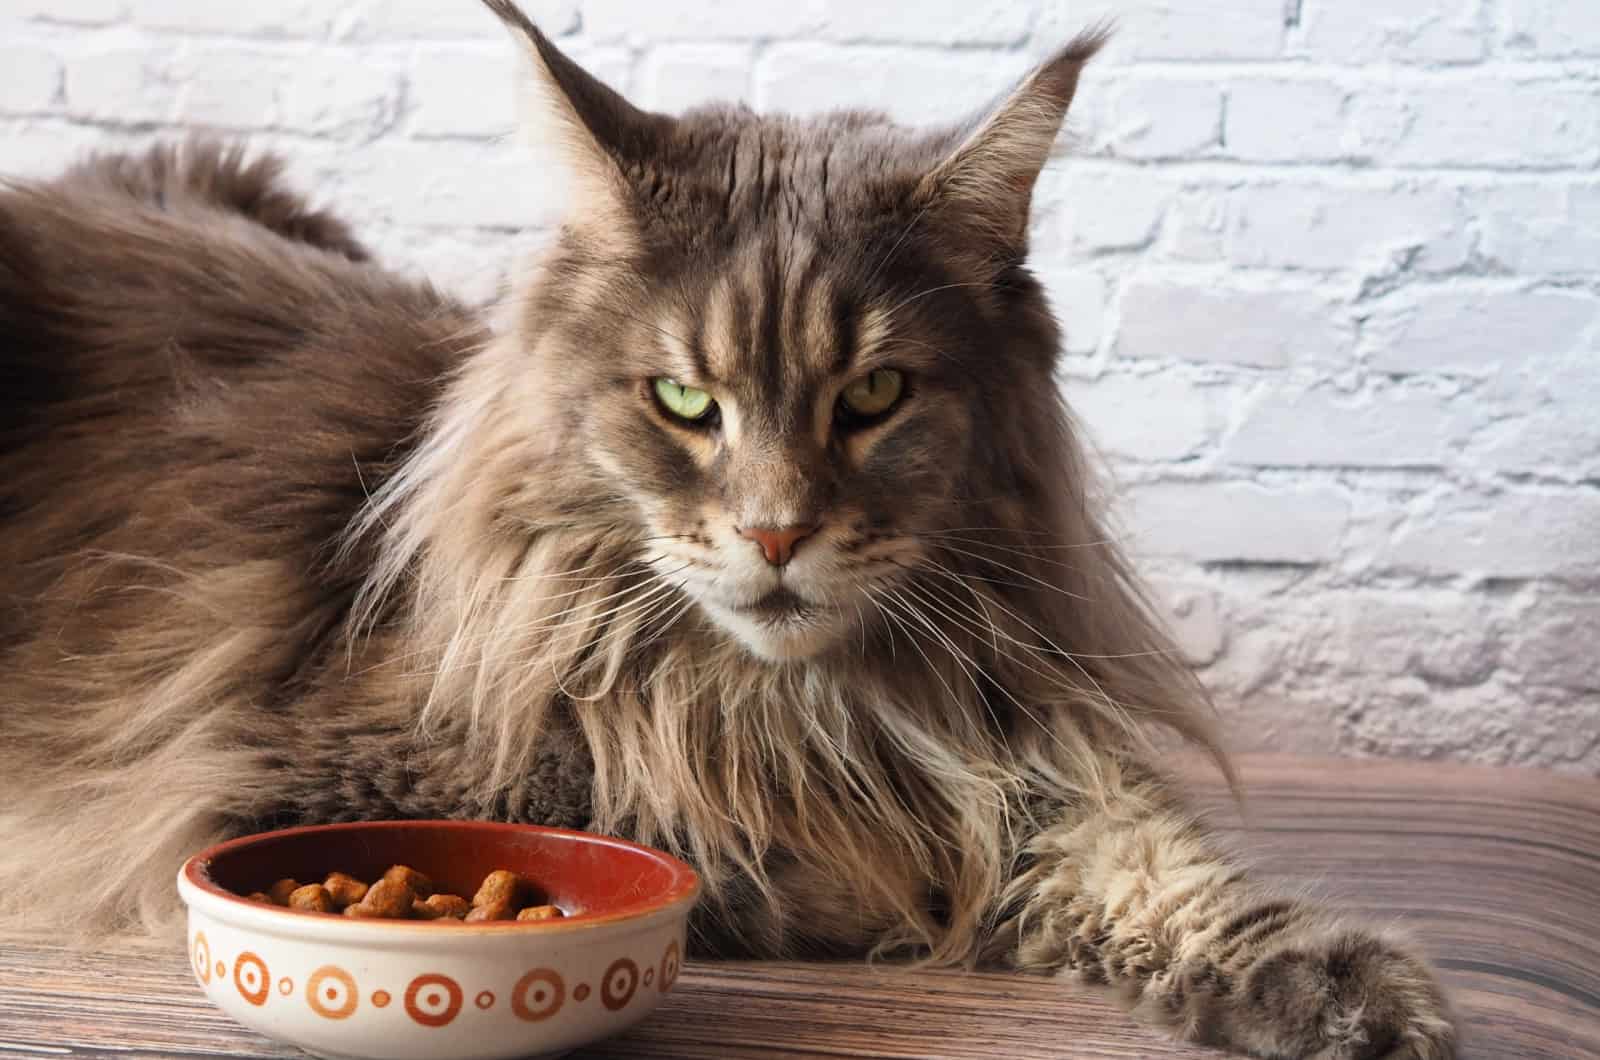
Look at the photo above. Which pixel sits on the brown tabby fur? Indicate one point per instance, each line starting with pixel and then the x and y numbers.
pixel 290 539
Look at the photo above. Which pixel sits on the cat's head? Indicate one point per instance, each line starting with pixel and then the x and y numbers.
pixel 799 354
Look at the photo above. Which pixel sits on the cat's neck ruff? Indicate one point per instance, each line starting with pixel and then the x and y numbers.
pixel 516 571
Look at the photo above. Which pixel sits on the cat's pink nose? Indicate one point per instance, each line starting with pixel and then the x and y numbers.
pixel 777 544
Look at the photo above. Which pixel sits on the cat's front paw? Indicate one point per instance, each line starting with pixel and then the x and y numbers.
pixel 1345 995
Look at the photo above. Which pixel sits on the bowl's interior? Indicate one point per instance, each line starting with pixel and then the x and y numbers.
pixel 586 875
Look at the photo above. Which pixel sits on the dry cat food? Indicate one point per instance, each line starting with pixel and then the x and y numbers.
pixel 403 893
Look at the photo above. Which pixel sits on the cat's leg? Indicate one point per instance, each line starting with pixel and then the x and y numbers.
pixel 1130 892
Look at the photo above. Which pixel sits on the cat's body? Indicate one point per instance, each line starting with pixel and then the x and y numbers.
pixel 193 404
pixel 758 531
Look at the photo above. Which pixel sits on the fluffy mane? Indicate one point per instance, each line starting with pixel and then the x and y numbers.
pixel 920 750
pixel 1000 671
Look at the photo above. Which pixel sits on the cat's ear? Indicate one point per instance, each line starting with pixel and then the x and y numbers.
pixel 984 182
pixel 606 140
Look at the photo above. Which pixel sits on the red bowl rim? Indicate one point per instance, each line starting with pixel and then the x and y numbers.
pixel 684 883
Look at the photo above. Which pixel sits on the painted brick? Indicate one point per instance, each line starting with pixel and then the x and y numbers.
pixel 675 77
pixel 228 88
pixel 1367 31
pixel 1519 533
pixel 125 84
pixel 68 12
pixel 1193 614
pixel 486 91
pixel 1310 225
pixel 33 152
pixel 1377 118
pixel 1491 121
pixel 1376 634
pixel 429 20
pixel 961 22
pixel 1238 521
pixel 1388 427
pixel 1281 120
pixel 704 20
pixel 916 86
pixel 1534 430
pixel 466 91
pixel 30 76
pixel 474 264
pixel 1460 329
pixel 1080 210
pixel 1551 29
pixel 1557 641
pixel 1539 228
pixel 1079 298
pixel 1197 225
pixel 328 95
pixel 1172 29
pixel 1167 118
pixel 240 88
pixel 479 186
pixel 1193 321
pixel 1159 416
pixel 285 18
pixel 1301 120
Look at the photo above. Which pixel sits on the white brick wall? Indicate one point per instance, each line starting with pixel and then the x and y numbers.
pixel 1330 271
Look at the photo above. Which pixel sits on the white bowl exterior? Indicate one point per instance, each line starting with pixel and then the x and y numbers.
pixel 402 991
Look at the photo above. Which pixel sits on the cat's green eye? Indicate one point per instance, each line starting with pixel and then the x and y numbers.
pixel 684 402
pixel 874 393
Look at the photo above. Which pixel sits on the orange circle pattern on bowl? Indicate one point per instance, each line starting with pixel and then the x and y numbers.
pixel 200 956
pixel 538 995
pixel 619 983
pixel 331 992
pixel 435 1000
pixel 251 978
pixel 669 967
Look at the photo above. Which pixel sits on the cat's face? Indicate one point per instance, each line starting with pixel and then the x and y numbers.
pixel 791 429
pixel 780 341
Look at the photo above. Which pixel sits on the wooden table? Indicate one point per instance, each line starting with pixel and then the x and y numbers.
pixel 1497 871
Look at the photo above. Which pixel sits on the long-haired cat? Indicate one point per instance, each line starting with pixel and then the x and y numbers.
pixel 756 529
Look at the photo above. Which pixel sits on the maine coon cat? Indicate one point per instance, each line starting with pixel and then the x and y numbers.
pixel 756 528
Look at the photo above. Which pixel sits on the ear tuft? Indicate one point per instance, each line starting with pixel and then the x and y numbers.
pixel 607 139
pixel 987 180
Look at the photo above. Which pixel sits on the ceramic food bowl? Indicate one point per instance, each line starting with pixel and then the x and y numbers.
pixel 429 990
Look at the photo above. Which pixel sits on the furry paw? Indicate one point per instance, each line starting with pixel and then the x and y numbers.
pixel 1348 995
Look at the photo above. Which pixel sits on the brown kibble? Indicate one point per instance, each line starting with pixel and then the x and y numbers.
pixel 385 900
pixel 492 911
pixel 502 887
pixel 441 905
pixel 539 912
pixel 345 890
pixel 403 893
pixel 420 885
pixel 312 898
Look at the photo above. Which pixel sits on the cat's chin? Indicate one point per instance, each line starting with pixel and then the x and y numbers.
pixel 778 641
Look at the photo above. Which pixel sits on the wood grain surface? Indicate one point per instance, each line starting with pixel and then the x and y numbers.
pixel 1495 872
